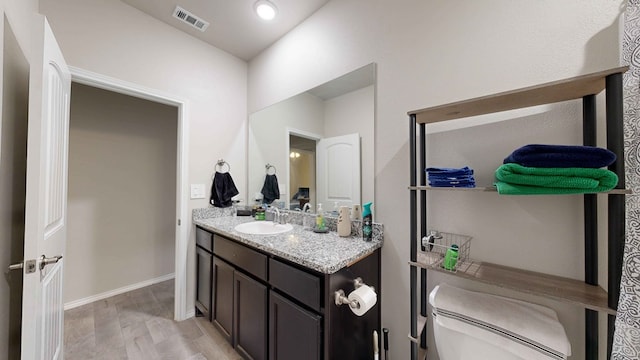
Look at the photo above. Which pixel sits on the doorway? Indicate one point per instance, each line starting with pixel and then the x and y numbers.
pixel 302 172
pixel 121 203
pixel 180 222
pixel 14 104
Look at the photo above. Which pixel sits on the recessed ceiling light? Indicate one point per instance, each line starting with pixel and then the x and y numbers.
pixel 265 9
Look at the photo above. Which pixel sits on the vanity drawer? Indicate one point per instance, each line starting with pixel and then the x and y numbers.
pixel 241 256
pixel 299 284
pixel 204 239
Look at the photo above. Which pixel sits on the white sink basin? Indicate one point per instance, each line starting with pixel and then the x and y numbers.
pixel 263 228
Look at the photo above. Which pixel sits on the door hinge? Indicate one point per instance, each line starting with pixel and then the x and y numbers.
pixel 179 222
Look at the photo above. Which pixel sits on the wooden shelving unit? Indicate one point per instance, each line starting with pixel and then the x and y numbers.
pixel 553 287
pixel 549 93
pixel 493 189
pixel 587 293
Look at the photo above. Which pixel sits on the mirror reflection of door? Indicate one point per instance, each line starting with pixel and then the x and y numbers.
pixel 338 160
pixel 302 172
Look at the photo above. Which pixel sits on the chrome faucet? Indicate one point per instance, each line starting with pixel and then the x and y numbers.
pixel 276 211
pixel 306 207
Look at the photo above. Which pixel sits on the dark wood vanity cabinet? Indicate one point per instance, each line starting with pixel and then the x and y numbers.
pixel 270 308
pixel 222 298
pixel 250 300
pixel 294 333
pixel 239 310
pixel 204 267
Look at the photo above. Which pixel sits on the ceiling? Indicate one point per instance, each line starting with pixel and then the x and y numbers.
pixel 234 26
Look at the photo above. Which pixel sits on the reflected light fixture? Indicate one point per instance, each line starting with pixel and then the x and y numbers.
pixel 294 154
pixel 265 9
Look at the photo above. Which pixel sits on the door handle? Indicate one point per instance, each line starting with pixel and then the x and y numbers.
pixel 44 261
pixel 16 266
pixel 29 264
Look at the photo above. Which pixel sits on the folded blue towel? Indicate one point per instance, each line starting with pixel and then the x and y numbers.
pixel 455 179
pixel 465 184
pixel 449 171
pixel 561 156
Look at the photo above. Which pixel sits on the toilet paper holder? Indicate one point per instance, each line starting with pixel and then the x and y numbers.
pixel 341 299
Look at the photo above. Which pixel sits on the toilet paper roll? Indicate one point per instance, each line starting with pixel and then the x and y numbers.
pixel 366 298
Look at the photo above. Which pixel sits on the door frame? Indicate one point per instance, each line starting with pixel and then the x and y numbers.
pixel 299 133
pixel 96 80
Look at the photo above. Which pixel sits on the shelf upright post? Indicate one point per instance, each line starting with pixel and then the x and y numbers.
pixel 589 133
pixel 423 228
pixel 616 202
pixel 413 235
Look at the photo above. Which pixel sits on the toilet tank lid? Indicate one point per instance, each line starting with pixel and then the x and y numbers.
pixel 524 323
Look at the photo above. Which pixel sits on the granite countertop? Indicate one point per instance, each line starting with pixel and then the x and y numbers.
pixel 326 253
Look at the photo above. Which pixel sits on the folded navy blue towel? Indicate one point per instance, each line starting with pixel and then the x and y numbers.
pixel 443 179
pixel 561 156
pixel 451 172
pixel 453 183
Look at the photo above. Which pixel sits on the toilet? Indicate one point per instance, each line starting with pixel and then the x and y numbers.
pixel 471 325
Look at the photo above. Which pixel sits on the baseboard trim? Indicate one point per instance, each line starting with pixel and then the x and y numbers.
pixel 190 314
pixel 122 290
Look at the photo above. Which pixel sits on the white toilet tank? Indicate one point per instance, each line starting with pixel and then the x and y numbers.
pixel 469 325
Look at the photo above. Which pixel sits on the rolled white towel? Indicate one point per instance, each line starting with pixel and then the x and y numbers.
pixel 518 326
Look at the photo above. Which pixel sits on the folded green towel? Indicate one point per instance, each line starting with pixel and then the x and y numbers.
pixel 514 179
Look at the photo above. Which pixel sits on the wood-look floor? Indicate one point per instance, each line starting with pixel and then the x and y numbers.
pixel 139 325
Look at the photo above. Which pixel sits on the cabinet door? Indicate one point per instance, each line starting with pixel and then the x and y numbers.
pixel 222 302
pixel 204 263
pixel 250 299
pixel 294 333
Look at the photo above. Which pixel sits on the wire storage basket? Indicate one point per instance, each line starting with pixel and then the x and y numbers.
pixel 440 250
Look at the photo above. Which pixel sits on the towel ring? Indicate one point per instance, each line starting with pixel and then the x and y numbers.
pixel 221 163
pixel 269 167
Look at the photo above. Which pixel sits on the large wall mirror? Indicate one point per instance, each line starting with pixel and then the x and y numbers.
pixel 319 144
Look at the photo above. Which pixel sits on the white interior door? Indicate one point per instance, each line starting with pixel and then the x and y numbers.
pixel 338 171
pixel 46 197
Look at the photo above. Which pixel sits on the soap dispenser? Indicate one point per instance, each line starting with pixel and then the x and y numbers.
pixel 320 225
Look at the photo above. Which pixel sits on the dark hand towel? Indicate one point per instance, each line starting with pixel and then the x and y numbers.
pixel 270 190
pixel 561 156
pixel 222 190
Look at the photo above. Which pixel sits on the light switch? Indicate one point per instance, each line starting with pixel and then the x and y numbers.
pixel 197 191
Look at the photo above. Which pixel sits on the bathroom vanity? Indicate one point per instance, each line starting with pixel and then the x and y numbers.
pixel 272 296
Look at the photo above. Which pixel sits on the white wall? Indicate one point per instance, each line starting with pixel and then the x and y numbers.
pixel 116 40
pixel 14 93
pixel 429 53
pixel 122 166
pixel 350 113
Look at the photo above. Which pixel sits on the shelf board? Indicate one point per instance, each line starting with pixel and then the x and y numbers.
pixel 493 189
pixel 528 282
pixel 553 92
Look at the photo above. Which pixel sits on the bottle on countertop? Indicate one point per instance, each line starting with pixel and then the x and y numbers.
pixel 260 213
pixel 336 209
pixel 367 222
pixel 356 212
pixel 320 224
pixel 344 222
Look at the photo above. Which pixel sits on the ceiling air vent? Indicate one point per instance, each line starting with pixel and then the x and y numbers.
pixel 187 17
